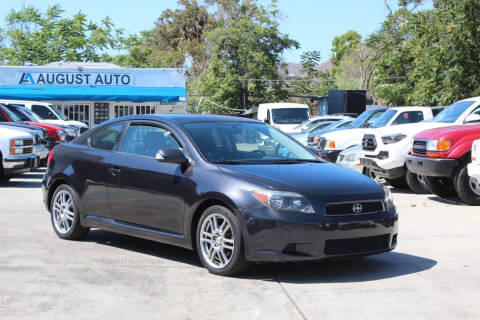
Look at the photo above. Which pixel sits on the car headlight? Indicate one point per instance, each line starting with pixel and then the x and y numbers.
pixel 16 143
pixel 330 144
pixel 352 157
pixel 284 201
pixel 439 145
pixel 393 138
pixel 387 197
pixel 61 135
pixel 72 132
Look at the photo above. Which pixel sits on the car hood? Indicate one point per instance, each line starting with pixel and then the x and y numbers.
pixel 66 123
pixel 408 129
pixel 449 132
pixel 325 131
pixel 23 126
pixel 316 180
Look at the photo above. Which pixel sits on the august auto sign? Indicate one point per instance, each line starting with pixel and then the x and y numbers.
pixel 75 78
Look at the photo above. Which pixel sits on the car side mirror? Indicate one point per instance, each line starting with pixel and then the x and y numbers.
pixel 472 118
pixel 171 156
pixel 267 121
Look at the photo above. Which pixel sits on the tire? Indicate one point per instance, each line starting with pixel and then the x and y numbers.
pixel 4 179
pixel 397 183
pixel 64 215
pixel 440 186
pixel 416 183
pixel 468 188
pixel 213 244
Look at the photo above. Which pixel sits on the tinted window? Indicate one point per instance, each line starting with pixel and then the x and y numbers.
pixel 241 142
pixel 290 115
pixel 451 114
pixel 145 140
pixel 2 118
pixel 44 112
pixel 107 138
pixel 18 113
pixel 409 117
pixel 368 115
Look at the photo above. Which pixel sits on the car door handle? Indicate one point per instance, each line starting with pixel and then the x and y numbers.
pixel 114 171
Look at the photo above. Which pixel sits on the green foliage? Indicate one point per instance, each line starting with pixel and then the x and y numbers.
pixel 312 82
pixel 246 50
pixel 344 43
pixel 36 37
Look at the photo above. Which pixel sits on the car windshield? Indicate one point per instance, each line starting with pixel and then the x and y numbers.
pixel 451 114
pixel 246 143
pixel 290 115
pixel 319 126
pixel 33 115
pixel 10 114
pixel 57 112
pixel 365 116
pixel 384 119
pixel 303 124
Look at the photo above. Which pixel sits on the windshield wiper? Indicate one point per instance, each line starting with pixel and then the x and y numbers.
pixel 231 162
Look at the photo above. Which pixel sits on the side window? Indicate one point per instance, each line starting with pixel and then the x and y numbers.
pixel 144 140
pixel 43 112
pixel 2 118
pixel 409 117
pixel 107 138
pixel 476 111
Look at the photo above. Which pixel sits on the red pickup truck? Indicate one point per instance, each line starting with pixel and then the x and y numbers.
pixel 441 156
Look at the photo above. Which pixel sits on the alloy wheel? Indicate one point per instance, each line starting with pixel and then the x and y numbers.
pixel 216 241
pixel 475 185
pixel 63 212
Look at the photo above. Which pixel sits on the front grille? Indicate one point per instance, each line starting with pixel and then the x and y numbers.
pixel 27 150
pixel 357 245
pixel 420 146
pixel 369 142
pixel 346 208
pixel 322 143
pixel 310 139
pixel 27 142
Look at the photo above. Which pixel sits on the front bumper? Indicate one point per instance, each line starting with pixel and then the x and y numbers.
pixel 438 167
pixel 18 164
pixel 282 237
pixel 474 170
pixel 393 173
pixel 330 155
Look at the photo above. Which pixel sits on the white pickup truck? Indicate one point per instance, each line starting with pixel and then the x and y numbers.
pixel 337 141
pixel 386 149
pixel 16 147
pixel 474 167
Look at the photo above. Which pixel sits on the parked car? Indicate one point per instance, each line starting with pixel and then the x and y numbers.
pixel 313 137
pixel 16 147
pixel 386 149
pixel 303 136
pixel 55 134
pixel 350 159
pixel 334 142
pixel 474 167
pixel 283 116
pixel 442 155
pixel 48 114
pixel 313 121
pixel 197 182
pixel 8 119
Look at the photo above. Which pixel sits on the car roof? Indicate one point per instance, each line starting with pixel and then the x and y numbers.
pixel 283 105
pixel 24 101
pixel 185 117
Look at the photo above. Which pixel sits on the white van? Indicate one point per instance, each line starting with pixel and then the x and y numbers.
pixel 283 116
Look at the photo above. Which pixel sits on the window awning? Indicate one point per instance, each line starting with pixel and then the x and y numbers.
pixel 93 93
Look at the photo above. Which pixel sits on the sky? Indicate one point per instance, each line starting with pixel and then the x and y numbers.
pixel 313 23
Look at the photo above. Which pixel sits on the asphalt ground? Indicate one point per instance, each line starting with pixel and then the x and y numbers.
pixel 433 274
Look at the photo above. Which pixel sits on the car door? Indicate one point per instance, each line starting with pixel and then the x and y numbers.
pixel 148 192
pixel 92 164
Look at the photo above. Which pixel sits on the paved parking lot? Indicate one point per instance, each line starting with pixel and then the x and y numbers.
pixel 434 272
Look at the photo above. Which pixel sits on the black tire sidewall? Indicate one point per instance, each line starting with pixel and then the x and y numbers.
pixel 238 261
pixel 434 187
pixel 77 230
pixel 413 183
pixel 462 186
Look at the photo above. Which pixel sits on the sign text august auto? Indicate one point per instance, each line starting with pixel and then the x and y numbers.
pixel 75 78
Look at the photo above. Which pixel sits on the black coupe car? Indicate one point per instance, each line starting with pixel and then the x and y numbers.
pixel 235 190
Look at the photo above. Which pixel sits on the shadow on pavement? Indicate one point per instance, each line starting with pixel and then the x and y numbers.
pixel 15 183
pixel 383 266
pixel 453 200
pixel 144 246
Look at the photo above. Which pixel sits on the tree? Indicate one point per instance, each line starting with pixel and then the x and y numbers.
pixel 343 44
pixel 246 50
pixel 312 82
pixel 36 37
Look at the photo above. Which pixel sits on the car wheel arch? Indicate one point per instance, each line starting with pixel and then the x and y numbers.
pixel 199 208
pixel 54 185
